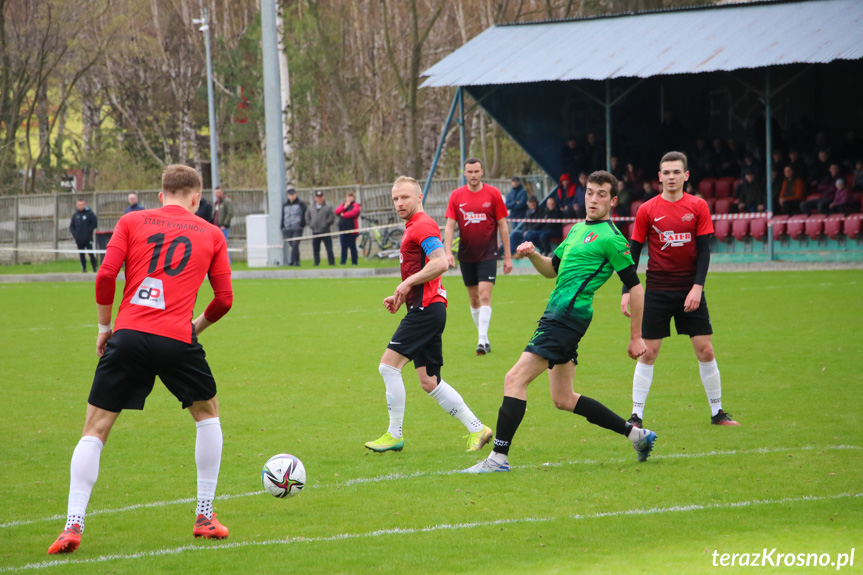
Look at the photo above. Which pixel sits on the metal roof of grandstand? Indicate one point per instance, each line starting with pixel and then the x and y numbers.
pixel 687 41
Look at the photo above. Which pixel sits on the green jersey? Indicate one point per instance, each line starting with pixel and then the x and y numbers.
pixel 590 253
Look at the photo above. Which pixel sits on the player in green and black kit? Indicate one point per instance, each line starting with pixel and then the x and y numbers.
pixel 582 263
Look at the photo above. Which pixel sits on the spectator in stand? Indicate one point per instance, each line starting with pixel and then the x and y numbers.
pixel 735 153
pixel 633 176
pixel 532 212
pixel 842 202
pixel 133 206
pixel 618 169
pixel 565 193
pixel 577 207
pixel 549 231
pixel 824 201
pixel 792 192
pixel 624 200
pixel 858 175
pixel 516 199
pixel 828 183
pixel 348 213
pixel 647 191
pixel 798 163
pixel 779 159
pixel 594 155
pixel 820 169
pixel 571 160
pixel 749 194
pixel 749 164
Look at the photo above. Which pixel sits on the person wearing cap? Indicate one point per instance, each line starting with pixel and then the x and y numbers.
pixel 320 217
pixel 293 222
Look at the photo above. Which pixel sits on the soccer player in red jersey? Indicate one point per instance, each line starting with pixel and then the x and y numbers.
pixel 677 229
pixel 418 337
pixel 167 253
pixel 480 212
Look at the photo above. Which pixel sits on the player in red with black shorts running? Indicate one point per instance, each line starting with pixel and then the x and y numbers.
pixel 167 253
pixel 677 229
pixel 418 337
pixel 479 211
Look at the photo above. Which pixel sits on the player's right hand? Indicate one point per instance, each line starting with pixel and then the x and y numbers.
pixel 450 260
pixel 636 348
pixel 391 304
pixel 102 341
pixel 624 305
pixel 525 249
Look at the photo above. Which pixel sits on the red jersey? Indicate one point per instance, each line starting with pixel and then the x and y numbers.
pixel 167 252
pixel 422 237
pixel 476 214
pixel 669 229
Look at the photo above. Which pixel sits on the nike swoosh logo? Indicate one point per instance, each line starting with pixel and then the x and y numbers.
pixel 657 219
pixel 461 205
pixel 395 342
pixel 491 277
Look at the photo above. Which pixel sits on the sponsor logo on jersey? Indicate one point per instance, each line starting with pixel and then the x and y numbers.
pixel 673 239
pixel 688 217
pixel 471 217
pixel 149 294
pixel 590 237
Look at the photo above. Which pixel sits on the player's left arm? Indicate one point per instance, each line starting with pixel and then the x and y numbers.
pixel 703 233
pixel 503 227
pixel 436 266
pixel 223 292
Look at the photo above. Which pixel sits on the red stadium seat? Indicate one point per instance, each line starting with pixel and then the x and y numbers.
pixel 723 188
pixel 849 181
pixel 815 226
pixel 796 226
pixel 758 228
pixel 852 226
pixel 723 205
pixel 711 204
pixel 633 209
pixel 833 226
pixel 779 224
pixel 722 229
pixel 740 228
pixel 705 187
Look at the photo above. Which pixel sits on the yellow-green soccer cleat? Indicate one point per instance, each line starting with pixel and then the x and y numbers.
pixel 476 440
pixel 386 443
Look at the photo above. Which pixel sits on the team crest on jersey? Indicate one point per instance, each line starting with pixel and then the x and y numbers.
pixel 688 217
pixel 487 205
pixel 590 237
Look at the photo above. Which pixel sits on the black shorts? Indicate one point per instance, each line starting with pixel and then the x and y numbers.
pixel 132 360
pixel 555 342
pixel 660 306
pixel 419 335
pixel 474 272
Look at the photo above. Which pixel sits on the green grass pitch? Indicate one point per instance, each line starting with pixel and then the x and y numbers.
pixel 296 362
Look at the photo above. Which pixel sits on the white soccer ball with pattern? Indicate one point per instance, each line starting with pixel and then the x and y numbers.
pixel 283 475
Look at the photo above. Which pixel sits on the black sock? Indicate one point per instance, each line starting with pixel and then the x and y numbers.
pixel 598 414
pixel 509 417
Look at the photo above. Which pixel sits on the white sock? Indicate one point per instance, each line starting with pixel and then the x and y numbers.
pixel 396 397
pixel 84 471
pixel 482 324
pixel 641 381
pixel 451 402
pixel 636 433
pixel 712 384
pixel 497 457
pixel 474 313
pixel 208 458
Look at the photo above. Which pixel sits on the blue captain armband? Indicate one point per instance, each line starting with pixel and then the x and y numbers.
pixel 430 244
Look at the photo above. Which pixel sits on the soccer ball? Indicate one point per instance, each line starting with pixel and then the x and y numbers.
pixel 283 475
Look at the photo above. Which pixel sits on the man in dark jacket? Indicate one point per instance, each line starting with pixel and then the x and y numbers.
pixel 205 209
pixel 320 217
pixel 293 222
pixel 82 226
pixel 516 199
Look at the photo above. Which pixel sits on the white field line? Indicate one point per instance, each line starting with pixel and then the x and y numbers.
pixel 397 476
pixel 429 529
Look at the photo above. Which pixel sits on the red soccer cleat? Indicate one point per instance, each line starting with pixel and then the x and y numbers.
pixel 209 528
pixel 67 542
